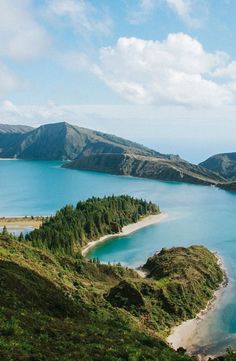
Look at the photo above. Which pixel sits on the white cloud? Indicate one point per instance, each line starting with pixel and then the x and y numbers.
pixel 142 12
pixel 227 71
pixel 187 10
pixel 21 37
pixel 83 16
pixel 174 71
pixel 8 81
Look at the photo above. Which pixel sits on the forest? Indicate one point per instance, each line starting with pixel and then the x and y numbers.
pixel 73 227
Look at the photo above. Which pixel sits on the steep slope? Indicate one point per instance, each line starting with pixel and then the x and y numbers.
pixel 153 167
pixel 62 141
pixel 65 308
pixel 10 138
pixel 223 164
pixel 92 150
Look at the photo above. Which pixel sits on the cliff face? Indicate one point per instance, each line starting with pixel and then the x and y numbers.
pixel 146 167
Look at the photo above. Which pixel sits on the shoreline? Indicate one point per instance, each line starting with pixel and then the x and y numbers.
pixel 183 334
pixel 126 230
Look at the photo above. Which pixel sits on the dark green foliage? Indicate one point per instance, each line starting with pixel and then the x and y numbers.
pixel 71 228
pixel 126 295
pixel 187 279
pixel 57 307
pixel 51 310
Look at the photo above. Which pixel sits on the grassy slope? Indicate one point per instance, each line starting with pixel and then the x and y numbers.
pixel 60 308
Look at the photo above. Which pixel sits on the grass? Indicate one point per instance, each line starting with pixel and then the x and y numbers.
pixel 57 307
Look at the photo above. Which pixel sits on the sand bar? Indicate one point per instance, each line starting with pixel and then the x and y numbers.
pixel 133 227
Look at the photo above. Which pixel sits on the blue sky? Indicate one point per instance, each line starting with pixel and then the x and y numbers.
pixel 162 72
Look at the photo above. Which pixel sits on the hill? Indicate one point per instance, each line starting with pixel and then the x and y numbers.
pixel 153 167
pixel 59 307
pixel 184 271
pixel 223 164
pixel 10 137
pixel 93 150
pixel 5 128
pixel 62 141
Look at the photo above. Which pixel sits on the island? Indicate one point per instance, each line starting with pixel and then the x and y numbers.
pixel 58 305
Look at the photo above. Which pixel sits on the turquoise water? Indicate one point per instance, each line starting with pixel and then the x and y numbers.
pixel 197 215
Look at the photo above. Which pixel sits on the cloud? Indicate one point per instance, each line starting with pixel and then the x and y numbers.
pixel 187 10
pixel 228 71
pixel 82 16
pixel 142 12
pixel 174 71
pixel 8 81
pixel 21 36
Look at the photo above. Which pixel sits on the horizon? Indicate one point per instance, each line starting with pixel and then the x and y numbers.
pixel 189 152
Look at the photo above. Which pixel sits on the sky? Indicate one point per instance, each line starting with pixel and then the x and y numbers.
pixel 160 72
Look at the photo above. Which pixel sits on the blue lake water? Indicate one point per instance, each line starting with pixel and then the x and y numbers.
pixel 197 215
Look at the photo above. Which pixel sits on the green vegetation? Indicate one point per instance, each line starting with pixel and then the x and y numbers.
pixel 55 306
pixel 187 279
pixel 71 228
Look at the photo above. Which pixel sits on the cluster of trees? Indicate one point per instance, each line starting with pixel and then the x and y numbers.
pixel 73 227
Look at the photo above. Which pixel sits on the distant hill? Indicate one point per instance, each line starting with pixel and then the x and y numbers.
pixel 62 141
pixel 154 167
pixel 6 128
pixel 223 164
pixel 93 150
pixel 228 186
pixel 10 137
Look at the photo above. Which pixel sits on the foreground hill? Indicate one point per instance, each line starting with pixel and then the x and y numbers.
pixel 59 307
pixel 223 164
pixel 92 150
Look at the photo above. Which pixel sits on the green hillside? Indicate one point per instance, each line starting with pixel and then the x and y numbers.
pixel 56 306
pixel 62 308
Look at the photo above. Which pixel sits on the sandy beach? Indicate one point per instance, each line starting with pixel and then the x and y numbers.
pixel 145 222
pixel 20 222
pixel 186 333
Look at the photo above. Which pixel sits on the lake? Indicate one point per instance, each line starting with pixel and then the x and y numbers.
pixel 197 215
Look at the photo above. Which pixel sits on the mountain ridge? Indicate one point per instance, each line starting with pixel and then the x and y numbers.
pixel 93 150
